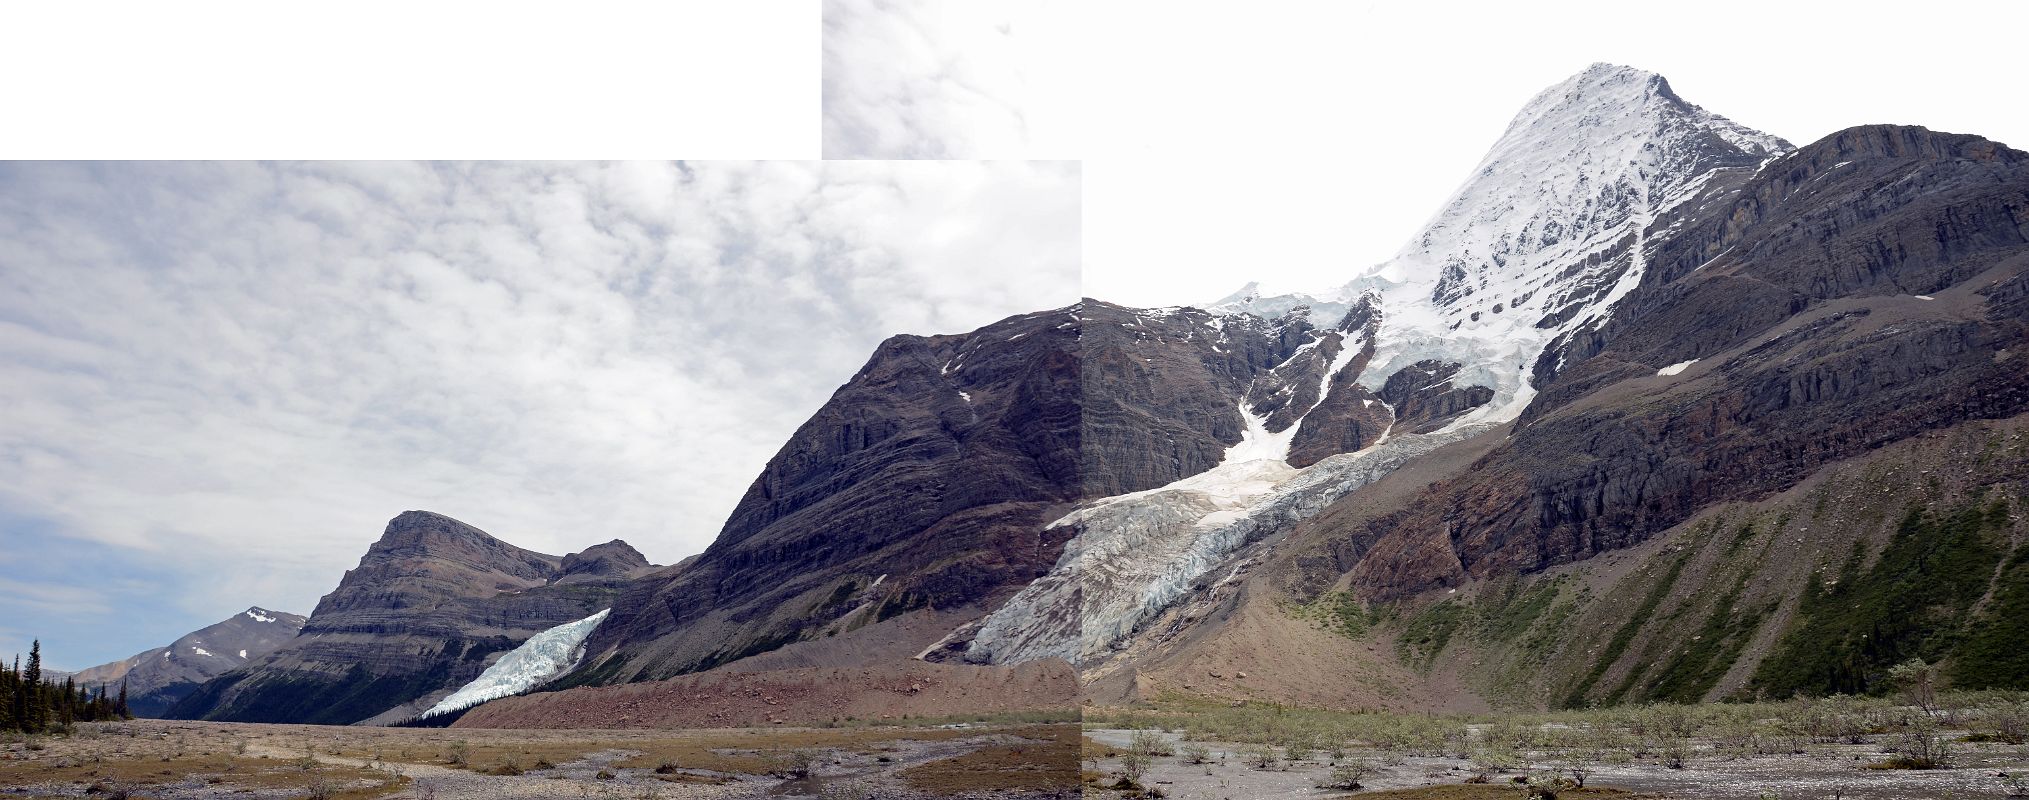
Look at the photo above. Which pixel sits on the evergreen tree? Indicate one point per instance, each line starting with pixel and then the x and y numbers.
pixel 120 705
pixel 7 720
pixel 31 686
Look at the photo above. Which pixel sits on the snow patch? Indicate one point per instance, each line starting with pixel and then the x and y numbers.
pixel 544 656
pixel 199 650
pixel 1677 368
pixel 243 654
pixel 257 616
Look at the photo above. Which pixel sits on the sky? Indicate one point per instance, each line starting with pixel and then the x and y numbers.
pixel 1296 142
pixel 221 380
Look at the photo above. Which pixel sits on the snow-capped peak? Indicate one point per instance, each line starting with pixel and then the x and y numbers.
pixel 1545 234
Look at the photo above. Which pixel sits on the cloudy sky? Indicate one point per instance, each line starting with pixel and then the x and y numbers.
pixel 1297 140
pixel 221 380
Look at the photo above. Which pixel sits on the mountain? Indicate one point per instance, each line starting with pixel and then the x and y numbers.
pixel 156 679
pixel 429 607
pixel 1640 528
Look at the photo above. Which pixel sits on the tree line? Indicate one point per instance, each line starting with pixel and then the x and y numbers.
pixel 31 704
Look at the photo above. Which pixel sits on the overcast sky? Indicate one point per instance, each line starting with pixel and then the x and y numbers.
pixel 221 380
pixel 1297 141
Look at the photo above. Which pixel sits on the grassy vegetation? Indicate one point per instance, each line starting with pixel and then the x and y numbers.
pixel 1048 760
pixel 1339 612
pixel 1426 633
pixel 1560 749
pixel 117 759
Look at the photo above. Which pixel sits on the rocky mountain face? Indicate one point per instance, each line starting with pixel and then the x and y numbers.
pixel 156 679
pixel 430 605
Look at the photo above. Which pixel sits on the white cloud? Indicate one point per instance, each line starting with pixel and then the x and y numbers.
pixel 1298 141
pixel 243 370
pixel 936 79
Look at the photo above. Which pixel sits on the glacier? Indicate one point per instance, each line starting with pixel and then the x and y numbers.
pixel 543 657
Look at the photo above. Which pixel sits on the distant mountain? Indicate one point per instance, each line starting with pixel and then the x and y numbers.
pixel 156 679
pixel 430 605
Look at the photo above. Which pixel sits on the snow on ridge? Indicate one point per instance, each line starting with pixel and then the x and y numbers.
pixel 1677 368
pixel 543 657
pixel 257 616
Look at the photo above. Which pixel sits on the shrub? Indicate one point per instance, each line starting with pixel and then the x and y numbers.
pixel 1151 743
pixel 1348 774
pixel 460 753
pixel 1134 764
pixel 1263 757
pixel 1197 752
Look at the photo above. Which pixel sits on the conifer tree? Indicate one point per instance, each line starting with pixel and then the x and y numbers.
pixel 7 720
pixel 31 685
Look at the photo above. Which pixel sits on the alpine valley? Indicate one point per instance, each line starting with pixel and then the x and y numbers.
pixel 1655 407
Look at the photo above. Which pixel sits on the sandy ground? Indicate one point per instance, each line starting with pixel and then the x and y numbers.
pixel 1830 771
pixel 190 760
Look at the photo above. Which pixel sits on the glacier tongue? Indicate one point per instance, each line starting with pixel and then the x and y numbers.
pixel 544 656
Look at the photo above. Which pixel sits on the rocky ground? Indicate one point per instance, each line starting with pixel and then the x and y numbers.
pixel 191 760
pixel 1830 771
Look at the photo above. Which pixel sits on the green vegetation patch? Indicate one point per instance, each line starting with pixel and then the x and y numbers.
pixel 1339 612
pixel 1914 603
pixel 1428 632
pixel 1995 655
